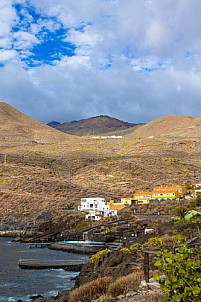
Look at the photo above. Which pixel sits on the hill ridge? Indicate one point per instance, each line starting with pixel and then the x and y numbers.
pixel 16 126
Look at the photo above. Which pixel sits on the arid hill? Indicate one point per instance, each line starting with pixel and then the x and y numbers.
pixel 94 125
pixel 16 126
pixel 39 179
pixel 171 126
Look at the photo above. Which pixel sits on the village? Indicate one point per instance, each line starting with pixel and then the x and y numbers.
pixel 97 208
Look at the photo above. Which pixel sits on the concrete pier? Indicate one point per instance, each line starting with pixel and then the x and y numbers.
pixel 68 265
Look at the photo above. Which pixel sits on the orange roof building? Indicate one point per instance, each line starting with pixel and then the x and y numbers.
pixel 160 194
pixel 182 190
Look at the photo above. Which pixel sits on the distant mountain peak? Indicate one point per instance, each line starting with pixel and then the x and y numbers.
pixel 94 125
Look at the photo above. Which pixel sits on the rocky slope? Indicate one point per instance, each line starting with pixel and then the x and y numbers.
pixel 16 126
pixel 171 126
pixel 94 125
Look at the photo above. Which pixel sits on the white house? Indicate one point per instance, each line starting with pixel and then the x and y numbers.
pixel 98 204
pixel 96 208
pixel 96 215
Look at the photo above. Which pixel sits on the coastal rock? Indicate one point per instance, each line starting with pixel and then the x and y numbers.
pixel 115 264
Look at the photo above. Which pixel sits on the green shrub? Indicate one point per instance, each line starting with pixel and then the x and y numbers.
pixel 81 226
pixel 98 255
pixel 182 272
pixel 125 250
pixel 135 247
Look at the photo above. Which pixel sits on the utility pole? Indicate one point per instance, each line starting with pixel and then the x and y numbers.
pixel 5 159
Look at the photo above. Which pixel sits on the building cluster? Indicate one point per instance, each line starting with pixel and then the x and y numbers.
pixel 96 208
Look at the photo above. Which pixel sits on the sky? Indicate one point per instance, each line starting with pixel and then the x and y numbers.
pixel 135 60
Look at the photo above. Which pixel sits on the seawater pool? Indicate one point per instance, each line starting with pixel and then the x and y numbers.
pixel 85 242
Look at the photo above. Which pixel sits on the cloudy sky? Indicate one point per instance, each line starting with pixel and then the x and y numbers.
pixel 135 60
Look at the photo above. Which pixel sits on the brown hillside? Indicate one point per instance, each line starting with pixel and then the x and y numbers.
pixel 94 125
pixel 174 126
pixel 16 126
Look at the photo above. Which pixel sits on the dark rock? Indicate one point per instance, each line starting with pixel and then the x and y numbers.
pixel 113 264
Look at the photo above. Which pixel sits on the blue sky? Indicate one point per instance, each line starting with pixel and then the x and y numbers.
pixel 135 60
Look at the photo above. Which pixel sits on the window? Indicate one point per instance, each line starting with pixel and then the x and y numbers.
pixel 96 206
pixel 88 205
pixel 91 206
pixel 83 200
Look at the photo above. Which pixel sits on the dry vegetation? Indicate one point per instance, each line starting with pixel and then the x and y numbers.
pixel 110 290
pixel 47 177
pixel 41 176
pixel 91 290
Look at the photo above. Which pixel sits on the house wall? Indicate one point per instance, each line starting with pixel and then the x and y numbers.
pixel 127 201
pixel 98 204
pixel 140 195
pixel 166 194
pixel 182 190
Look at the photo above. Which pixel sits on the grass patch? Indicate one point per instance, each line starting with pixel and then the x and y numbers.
pixel 90 291
pixel 81 226
pixel 127 283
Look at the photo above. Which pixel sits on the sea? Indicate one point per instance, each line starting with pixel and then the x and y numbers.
pixel 20 284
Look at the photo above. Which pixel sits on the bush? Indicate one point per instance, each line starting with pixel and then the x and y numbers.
pixel 105 299
pixel 135 247
pixel 91 290
pixel 98 255
pixel 81 226
pixel 182 272
pixel 126 283
pixel 125 250
pixel 198 200
pixel 130 282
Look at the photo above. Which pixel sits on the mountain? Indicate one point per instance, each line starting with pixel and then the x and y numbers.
pixel 16 126
pixel 54 124
pixel 94 125
pixel 171 126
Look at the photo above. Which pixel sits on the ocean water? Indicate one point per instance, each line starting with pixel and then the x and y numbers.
pixel 17 283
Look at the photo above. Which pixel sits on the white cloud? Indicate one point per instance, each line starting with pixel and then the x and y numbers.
pixel 24 40
pixel 8 17
pixel 135 60
pixel 6 55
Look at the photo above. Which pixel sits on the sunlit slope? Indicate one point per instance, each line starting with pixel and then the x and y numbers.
pixel 16 126
pixel 171 126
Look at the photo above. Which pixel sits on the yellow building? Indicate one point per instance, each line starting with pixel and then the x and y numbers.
pixel 182 190
pixel 116 206
pixel 163 194
pixel 143 201
pixel 127 201
pixel 139 195
pixel 166 194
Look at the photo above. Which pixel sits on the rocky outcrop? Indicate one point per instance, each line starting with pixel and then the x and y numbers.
pixel 113 264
